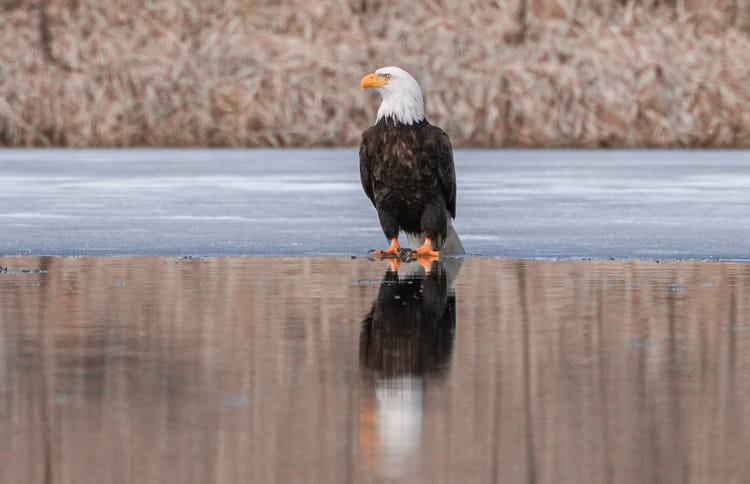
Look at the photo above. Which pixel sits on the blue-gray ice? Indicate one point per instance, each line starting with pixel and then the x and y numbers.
pixel 520 204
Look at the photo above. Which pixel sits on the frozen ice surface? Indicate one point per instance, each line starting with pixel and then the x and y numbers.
pixel 522 204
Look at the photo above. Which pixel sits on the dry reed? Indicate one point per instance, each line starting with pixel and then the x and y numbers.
pixel 254 73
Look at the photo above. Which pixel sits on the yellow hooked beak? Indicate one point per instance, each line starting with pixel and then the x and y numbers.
pixel 372 80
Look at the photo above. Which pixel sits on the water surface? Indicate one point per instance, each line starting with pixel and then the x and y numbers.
pixel 519 204
pixel 228 370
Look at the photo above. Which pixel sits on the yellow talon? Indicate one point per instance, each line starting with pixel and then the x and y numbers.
pixel 393 250
pixel 426 250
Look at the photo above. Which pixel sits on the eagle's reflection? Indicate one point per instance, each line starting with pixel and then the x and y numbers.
pixel 406 343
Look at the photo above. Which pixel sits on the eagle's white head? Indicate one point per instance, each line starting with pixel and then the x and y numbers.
pixel 402 97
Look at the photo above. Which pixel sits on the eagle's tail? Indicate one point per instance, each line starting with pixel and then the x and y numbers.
pixel 450 246
pixel 453 245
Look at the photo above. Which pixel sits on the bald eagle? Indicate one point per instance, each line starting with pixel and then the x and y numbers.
pixel 407 171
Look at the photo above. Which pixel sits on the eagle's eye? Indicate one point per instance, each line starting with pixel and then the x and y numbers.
pixel 387 77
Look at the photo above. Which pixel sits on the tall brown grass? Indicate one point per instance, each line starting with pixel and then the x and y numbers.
pixel 260 73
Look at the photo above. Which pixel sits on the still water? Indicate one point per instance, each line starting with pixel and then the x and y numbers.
pixel 166 370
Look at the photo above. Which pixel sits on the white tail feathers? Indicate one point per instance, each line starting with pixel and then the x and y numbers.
pixel 450 246
pixel 453 245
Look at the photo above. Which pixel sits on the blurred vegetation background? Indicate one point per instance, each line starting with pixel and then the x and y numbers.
pixel 529 73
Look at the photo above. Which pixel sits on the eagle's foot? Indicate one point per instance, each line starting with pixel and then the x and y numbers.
pixel 425 250
pixel 386 254
pixel 394 251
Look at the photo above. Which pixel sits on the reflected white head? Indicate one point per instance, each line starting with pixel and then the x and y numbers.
pixel 402 96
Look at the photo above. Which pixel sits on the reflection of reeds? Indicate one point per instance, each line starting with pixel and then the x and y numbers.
pixel 526 73
pixel 245 370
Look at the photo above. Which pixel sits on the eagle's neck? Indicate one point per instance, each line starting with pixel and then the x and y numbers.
pixel 390 122
pixel 405 106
